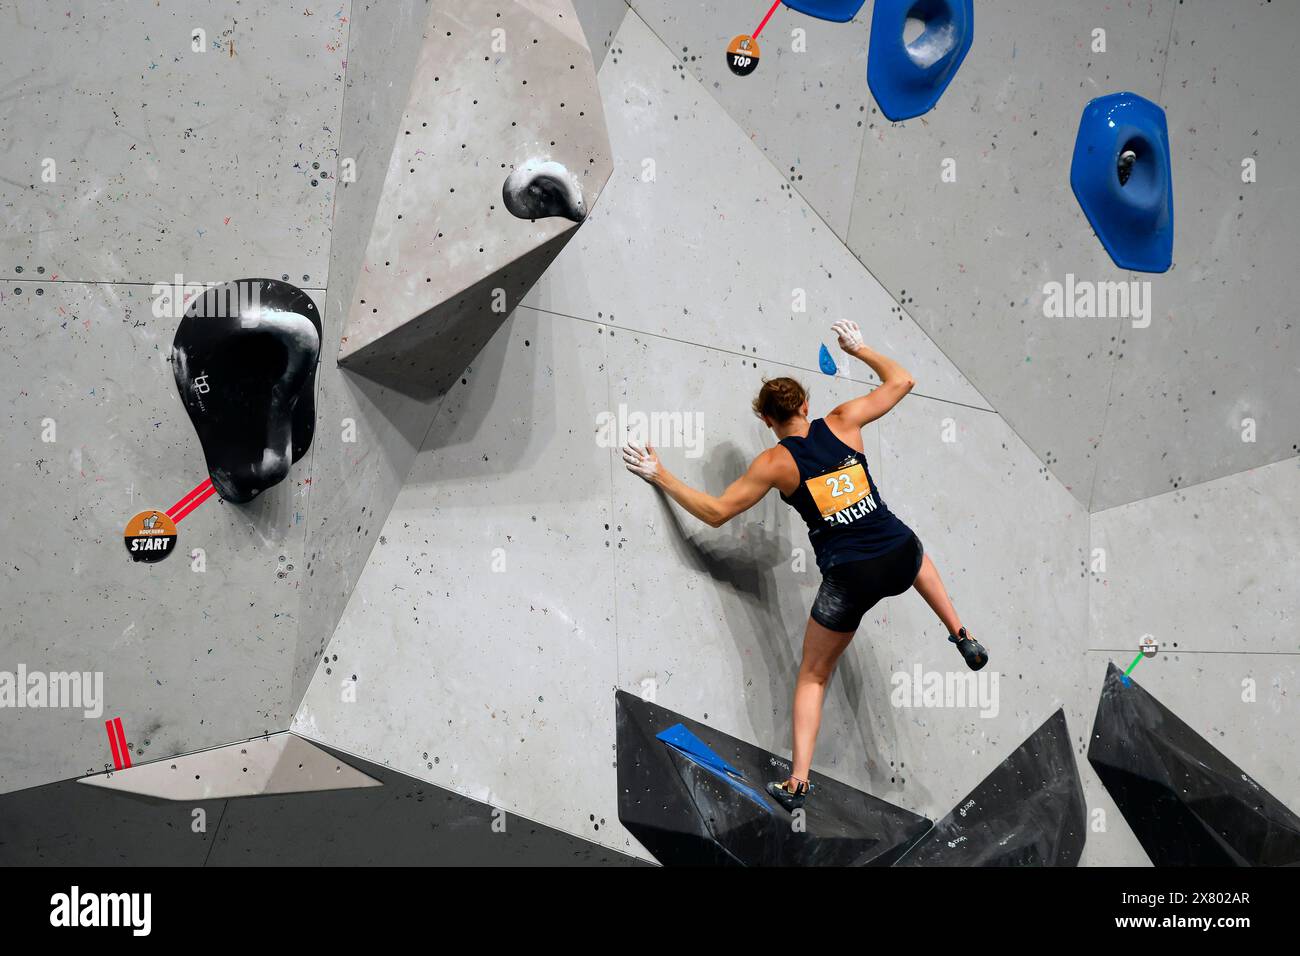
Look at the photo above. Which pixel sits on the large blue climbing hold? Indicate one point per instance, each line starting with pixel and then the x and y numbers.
pixel 1122 178
pixel 838 11
pixel 907 79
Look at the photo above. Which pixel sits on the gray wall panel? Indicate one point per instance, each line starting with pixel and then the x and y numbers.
pixel 189 659
pixel 1224 344
pixel 170 161
pixel 600 22
pixel 481 632
pixel 715 247
pixel 355 482
pixel 1212 567
pixel 806 109
pixel 969 259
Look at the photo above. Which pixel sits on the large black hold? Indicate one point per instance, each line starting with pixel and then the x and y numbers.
pixel 686 812
pixel 1187 803
pixel 1029 811
pixel 245 359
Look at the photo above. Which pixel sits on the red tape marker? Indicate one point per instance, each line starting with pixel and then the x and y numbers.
pixel 117 741
pixel 200 494
pixel 766 18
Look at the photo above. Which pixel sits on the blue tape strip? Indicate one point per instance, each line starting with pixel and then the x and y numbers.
pixel 697 751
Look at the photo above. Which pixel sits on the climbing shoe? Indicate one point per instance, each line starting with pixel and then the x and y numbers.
pixel 971 649
pixel 792 800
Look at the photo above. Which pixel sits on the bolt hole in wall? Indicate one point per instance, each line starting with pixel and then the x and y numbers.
pixel 1136 167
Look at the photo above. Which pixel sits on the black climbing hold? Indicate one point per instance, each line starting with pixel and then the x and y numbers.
pixel 1187 803
pixel 1029 811
pixel 539 189
pixel 695 798
pixel 244 358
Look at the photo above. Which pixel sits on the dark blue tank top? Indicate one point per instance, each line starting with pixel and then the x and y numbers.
pixel 838 500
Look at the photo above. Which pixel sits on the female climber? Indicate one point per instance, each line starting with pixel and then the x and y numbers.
pixel 863 550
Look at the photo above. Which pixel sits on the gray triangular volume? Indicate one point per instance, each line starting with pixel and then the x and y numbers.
pixel 687 812
pixel 278 763
pixel 398 820
pixel 494 163
pixel 1030 811
pixel 1186 802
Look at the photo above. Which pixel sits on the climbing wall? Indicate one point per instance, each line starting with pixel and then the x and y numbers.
pixel 523 574
pixel 449 590
pixel 439 110
pixel 131 163
pixel 523 571
pixel 1119 407
pixel 1207 573
pixel 354 481
pixel 209 646
pixel 970 256
pixel 1207 391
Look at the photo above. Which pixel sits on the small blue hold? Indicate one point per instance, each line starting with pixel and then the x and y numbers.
pixel 827 361
pixel 1122 177
pixel 1124 680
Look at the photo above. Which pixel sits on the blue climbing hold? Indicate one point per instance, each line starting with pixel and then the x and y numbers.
pixel 907 79
pixel 1122 178
pixel 827 361
pixel 838 11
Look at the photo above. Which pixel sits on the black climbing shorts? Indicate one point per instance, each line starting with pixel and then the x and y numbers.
pixel 851 589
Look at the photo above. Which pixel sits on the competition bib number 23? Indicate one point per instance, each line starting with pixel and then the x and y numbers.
pixel 837 490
